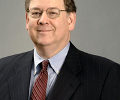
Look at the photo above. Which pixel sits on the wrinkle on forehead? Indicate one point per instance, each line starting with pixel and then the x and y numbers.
pixel 44 4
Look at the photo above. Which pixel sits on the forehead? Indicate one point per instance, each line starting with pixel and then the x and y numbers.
pixel 44 4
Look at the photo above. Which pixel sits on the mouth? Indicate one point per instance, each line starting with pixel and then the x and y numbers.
pixel 44 30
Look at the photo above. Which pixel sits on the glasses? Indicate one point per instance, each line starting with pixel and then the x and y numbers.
pixel 51 13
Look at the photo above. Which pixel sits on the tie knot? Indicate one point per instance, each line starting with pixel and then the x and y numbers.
pixel 45 64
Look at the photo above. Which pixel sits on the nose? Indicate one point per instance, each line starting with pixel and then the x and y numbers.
pixel 43 19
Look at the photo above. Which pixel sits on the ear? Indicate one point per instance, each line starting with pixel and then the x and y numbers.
pixel 27 20
pixel 72 20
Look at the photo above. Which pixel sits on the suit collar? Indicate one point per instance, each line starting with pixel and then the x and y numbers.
pixel 68 79
pixel 19 83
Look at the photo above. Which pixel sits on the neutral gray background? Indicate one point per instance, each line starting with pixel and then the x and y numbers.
pixel 97 29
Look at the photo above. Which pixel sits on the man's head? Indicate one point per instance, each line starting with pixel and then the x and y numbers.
pixel 50 28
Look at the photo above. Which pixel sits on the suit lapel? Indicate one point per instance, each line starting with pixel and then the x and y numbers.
pixel 68 79
pixel 19 83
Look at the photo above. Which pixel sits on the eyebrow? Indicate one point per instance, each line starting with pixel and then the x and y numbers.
pixel 35 8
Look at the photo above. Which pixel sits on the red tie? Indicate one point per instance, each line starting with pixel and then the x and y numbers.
pixel 39 88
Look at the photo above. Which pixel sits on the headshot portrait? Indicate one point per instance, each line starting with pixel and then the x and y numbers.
pixel 60 50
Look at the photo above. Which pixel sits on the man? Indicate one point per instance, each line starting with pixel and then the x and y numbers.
pixel 70 74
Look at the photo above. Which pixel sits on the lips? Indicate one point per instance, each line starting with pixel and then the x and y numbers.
pixel 43 30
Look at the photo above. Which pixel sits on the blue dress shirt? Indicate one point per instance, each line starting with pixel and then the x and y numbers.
pixel 53 69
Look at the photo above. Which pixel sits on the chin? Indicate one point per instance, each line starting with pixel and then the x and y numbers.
pixel 43 43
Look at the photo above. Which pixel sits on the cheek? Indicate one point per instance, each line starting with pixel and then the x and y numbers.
pixel 61 25
pixel 31 24
pixel 31 30
pixel 31 27
pixel 62 30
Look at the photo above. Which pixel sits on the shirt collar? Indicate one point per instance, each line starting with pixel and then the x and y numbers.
pixel 56 61
pixel 37 60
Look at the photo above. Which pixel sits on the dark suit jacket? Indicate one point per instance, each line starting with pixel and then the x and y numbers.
pixel 82 77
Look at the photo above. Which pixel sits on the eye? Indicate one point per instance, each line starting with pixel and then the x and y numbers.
pixel 36 13
pixel 53 13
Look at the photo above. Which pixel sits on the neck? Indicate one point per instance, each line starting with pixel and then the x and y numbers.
pixel 47 52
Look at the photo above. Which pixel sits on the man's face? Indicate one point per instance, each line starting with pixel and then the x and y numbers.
pixel 50 32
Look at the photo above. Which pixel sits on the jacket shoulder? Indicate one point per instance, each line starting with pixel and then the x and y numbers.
pixel 13 58
pixel 10 63
pixel 7 63
pixel 87 59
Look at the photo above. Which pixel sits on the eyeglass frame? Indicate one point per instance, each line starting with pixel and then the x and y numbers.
pixel 40 14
